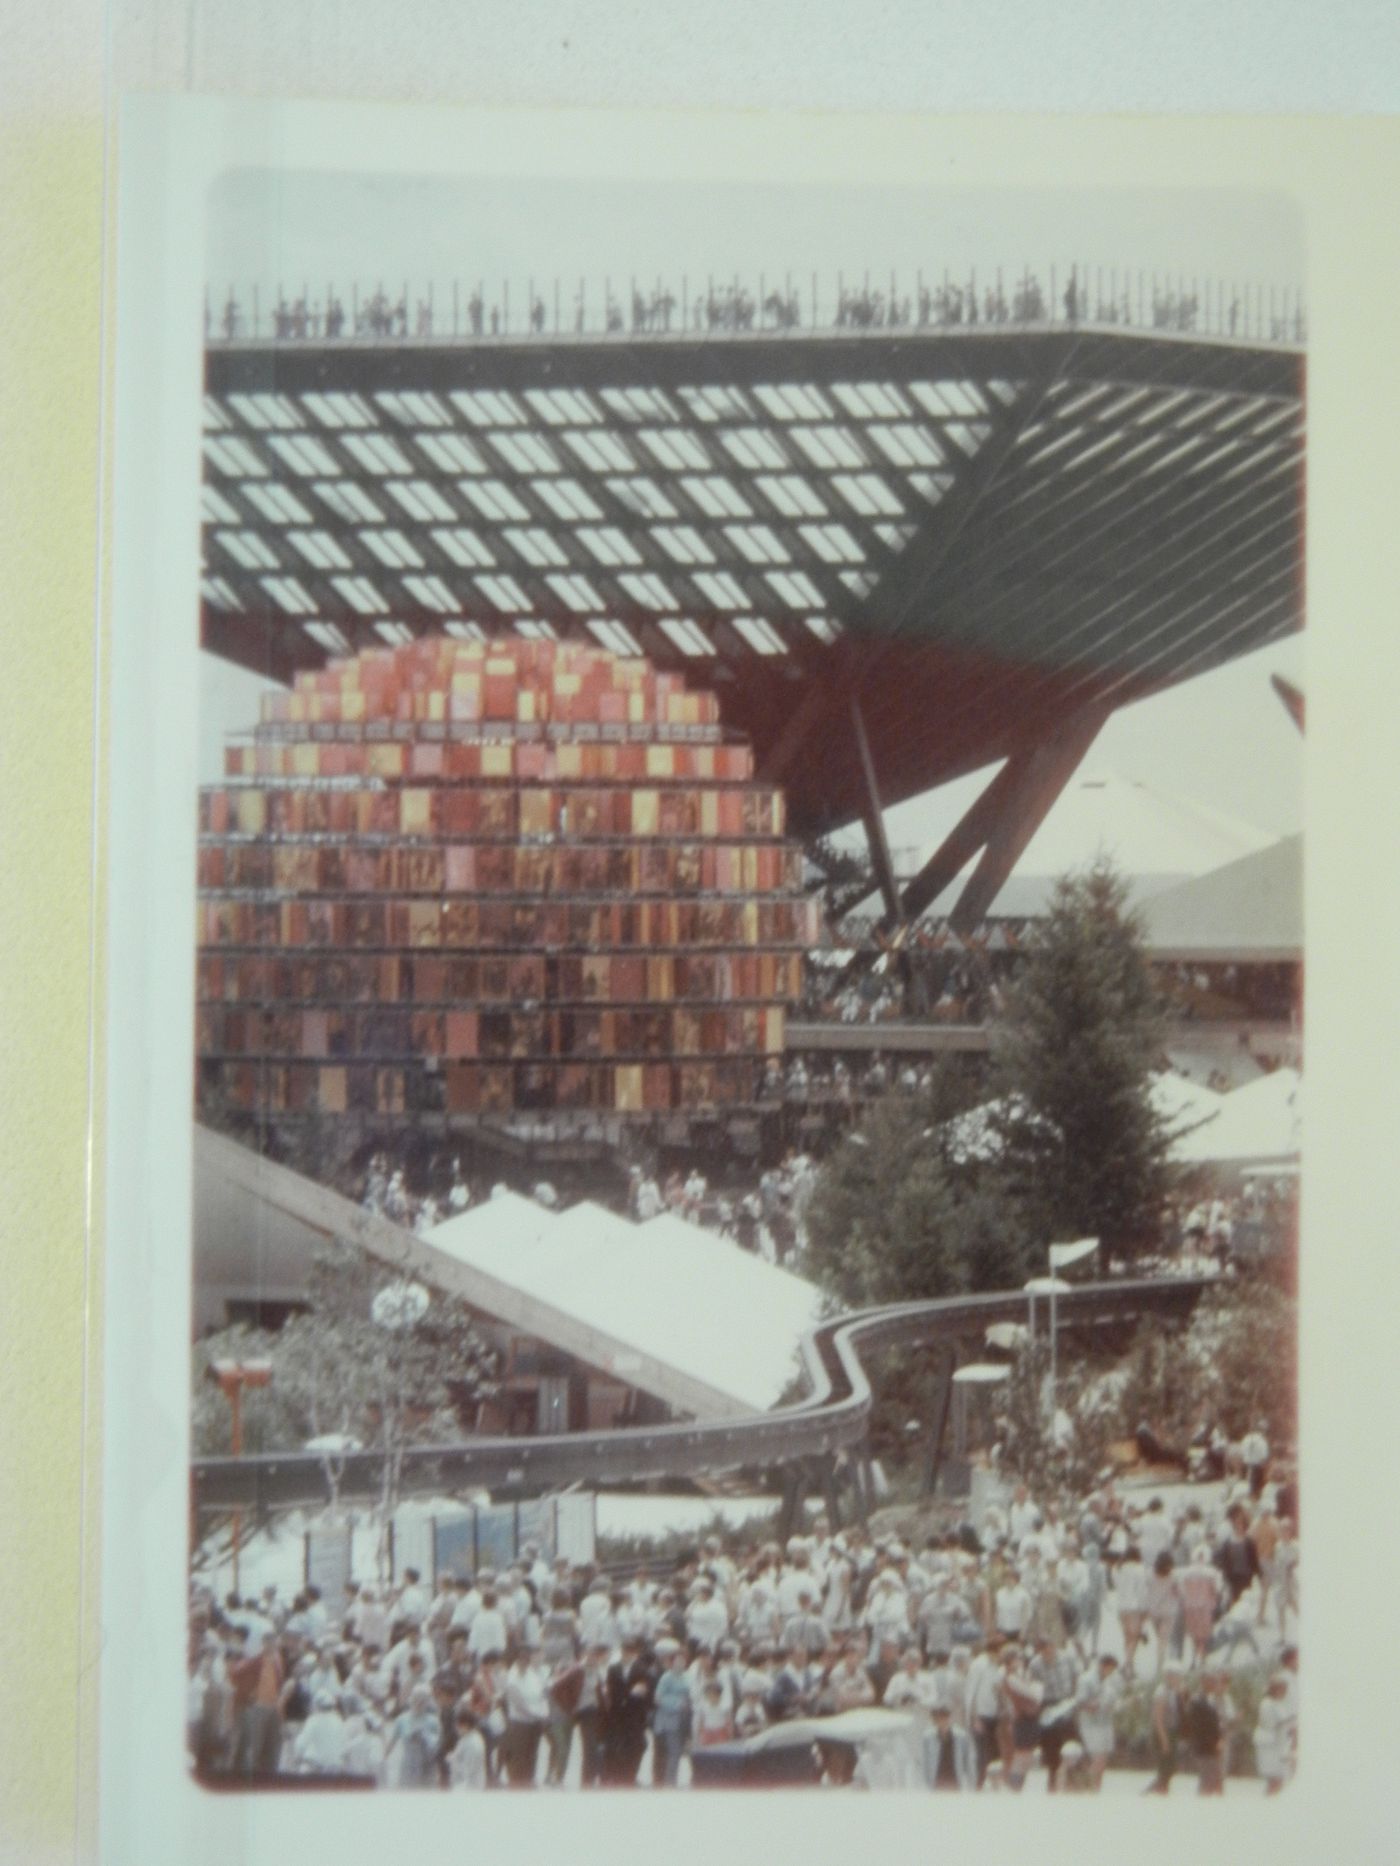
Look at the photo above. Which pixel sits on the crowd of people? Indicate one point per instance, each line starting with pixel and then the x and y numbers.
pixel 1040 1643
pixel 1075 298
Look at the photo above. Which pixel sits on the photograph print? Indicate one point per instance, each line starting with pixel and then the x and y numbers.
pixel 748 988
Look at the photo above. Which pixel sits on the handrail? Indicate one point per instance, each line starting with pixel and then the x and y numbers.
pixel 442 310
pixel 833 1416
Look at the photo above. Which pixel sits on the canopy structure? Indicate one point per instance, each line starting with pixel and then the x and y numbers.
pixel 664 1307
pixel 1247 910
pixel 1259 1124
pixel 898 556
pixel 664 1293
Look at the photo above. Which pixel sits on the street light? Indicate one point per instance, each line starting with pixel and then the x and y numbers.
pixel 1050 1286
pixel 231 1377
pixel 1061 1256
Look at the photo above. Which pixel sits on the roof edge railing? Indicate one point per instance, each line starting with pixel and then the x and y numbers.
pixel 455 311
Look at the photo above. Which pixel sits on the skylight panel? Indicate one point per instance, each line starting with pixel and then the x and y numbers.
pixel 640 404
pixel 684 543
pixel 415 408
pixel 576 592
pixel 761 636
pixel 907 444
pixel 433 593
pixel 616 637
pixel 871 400
pixel 824 628
pixel 566 498
pixel 536 631
pixel 675 448
pixel 327 635
pixel 320 550
pixel 601 452
pixel 217 591
pixel 968 435
pixel 686 635
pixel 289 595
pixel 718 498
pixel 361 595
pixel 829 446
pixel 392 549
pixel 277 503
pixel 930 486
pixel 795 588
pixel 525 453
pixel 215 509
pixel 717 403
pixel 265 411
pixel 494 500
pixel 464 547
pixel 833 543
pixel 464 631
pixel 249 550
pixel 234 458
pixel 376 453
pixel 723 590
pixel 397 634
pixel 214 416
pixel 452 453
pixel 420 499
pixel 537 546
pixel 304 454
pixel 503 593
pixel 649 590
pixel 339 410
pixel 563 407
pixel 867 494
pixel 758 543
pixel 489 408
pixel 792 495
pixel 609 545
pixel 754 448
pixel 642 495
pixel 348 501
pixel 858 582
pixel 794 401
pixel 894 537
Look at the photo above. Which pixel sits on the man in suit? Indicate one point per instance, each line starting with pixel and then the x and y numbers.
pixel 949 1759
pixel 627 1699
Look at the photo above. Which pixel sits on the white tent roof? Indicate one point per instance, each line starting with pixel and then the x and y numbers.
pixel 664 1292
pixel 1251 908
pixel 1154 839
pixel 1184 1105
pixel 1257 1123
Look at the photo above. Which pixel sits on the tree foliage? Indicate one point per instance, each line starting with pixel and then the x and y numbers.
pixel 1075 1049
pixel 1236 1365
pixel 1063 1446
pixel 896 1217
pixel 339 1372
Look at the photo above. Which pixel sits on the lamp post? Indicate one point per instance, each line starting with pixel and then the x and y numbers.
pixel 1050 1286
pixel 231 1377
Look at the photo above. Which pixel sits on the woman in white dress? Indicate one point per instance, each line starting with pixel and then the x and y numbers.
pixel 1097 1700
pixel 1130 1592
pixel 1273 1736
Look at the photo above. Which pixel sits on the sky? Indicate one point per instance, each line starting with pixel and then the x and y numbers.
pixel 1223 738
pixel 269 228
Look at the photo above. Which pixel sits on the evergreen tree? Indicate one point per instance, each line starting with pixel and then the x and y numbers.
pixel 1075 1050
pixel 897 1217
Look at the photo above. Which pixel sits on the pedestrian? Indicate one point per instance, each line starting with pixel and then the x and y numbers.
pixel 1168 1704
pixel 1130 1591
pixel 671 1715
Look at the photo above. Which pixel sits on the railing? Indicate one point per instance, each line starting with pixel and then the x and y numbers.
pixel 455 310
pixel 833 1417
